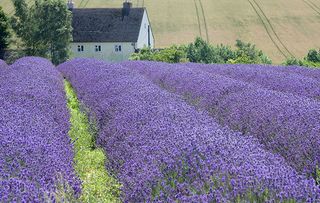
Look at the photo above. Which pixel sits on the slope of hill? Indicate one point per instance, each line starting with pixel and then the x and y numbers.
pixel 281 28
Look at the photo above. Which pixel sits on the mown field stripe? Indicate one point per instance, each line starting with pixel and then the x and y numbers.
pixel 198 18
pixel 205 21
pixel 97 184
pixel 273 30
pixel 267 30
pixel 315 5
pixel 312 6
pixel 80 3
pixel 85 5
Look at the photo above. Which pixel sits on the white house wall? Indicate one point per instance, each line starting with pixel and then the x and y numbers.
pixel 107 52
pixel 143 35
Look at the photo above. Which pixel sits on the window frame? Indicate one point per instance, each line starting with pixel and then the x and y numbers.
pixel 98 48
pixel 118 48
pixel 80 48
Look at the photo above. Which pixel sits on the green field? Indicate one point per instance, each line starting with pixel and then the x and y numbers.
pixel 281 28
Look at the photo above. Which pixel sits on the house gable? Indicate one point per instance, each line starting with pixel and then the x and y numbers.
pixel 145 38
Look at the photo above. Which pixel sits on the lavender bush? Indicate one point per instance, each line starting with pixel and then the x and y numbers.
pixel 267 77
pixel 36 154
pixel 2 64
pixel 308 72
pixel 164 150
pixel 284 123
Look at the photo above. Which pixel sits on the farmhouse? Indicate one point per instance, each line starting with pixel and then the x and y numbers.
pixel 111 34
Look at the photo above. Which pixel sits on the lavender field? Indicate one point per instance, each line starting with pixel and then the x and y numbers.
pixel 170 132
pixel 36 155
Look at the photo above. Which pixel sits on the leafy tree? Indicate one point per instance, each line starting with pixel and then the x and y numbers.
pixel 55 28
pixel 224 52
pixel 4 32
pixel 44 28
pixel 313 56
pixel 200 51
pixel 249 54
pixel 25 26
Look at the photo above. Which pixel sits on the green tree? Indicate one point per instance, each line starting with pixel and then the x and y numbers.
pixel 25 26
pixel 44 28
pixel 224 53
pixel 313 56
pixel 55 28
pixel 4 32
pixel 200 51
pixel 249 54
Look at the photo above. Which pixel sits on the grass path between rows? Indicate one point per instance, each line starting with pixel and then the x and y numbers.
pixel 97 184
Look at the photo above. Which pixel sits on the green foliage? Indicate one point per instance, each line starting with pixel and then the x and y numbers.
pixel 311 60
pixel 4 32
pixel 201 51
pixel 173 54
pixel 313 56
pixel 44 28
pixel 293 62
pixel 224 53
pixel 248 53
pixel 97 184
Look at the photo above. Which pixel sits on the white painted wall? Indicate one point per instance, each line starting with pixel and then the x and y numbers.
pixel 143 35
pixel 107 53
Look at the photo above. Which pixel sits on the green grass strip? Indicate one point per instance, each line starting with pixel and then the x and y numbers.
pixel 97 184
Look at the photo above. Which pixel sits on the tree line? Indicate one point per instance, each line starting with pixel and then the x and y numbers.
pixel 41 29
pixel 201 51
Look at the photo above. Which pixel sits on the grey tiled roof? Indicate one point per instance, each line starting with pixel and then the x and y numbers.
pixel 106 25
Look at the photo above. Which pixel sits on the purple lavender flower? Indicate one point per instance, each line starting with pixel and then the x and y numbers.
pixel 267 77
pixel 284 123
pixel 163 149
pixel 3 64
pixel 36 153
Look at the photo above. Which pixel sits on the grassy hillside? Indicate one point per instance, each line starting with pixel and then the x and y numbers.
pixel 281 28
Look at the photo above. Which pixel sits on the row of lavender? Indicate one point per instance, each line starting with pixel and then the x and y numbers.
pixel 285 123
pixel 162 149
pixel 294 80
pixel 36 154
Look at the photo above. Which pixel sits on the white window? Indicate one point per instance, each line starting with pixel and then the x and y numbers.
pixel 98 48
pixel 117 48
pixel 80 48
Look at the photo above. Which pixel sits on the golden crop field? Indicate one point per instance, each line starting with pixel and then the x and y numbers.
pixel 281 28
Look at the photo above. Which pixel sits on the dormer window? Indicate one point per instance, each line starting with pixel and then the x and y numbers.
pixel 80 48
pixel 117 48
pixel 98 48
